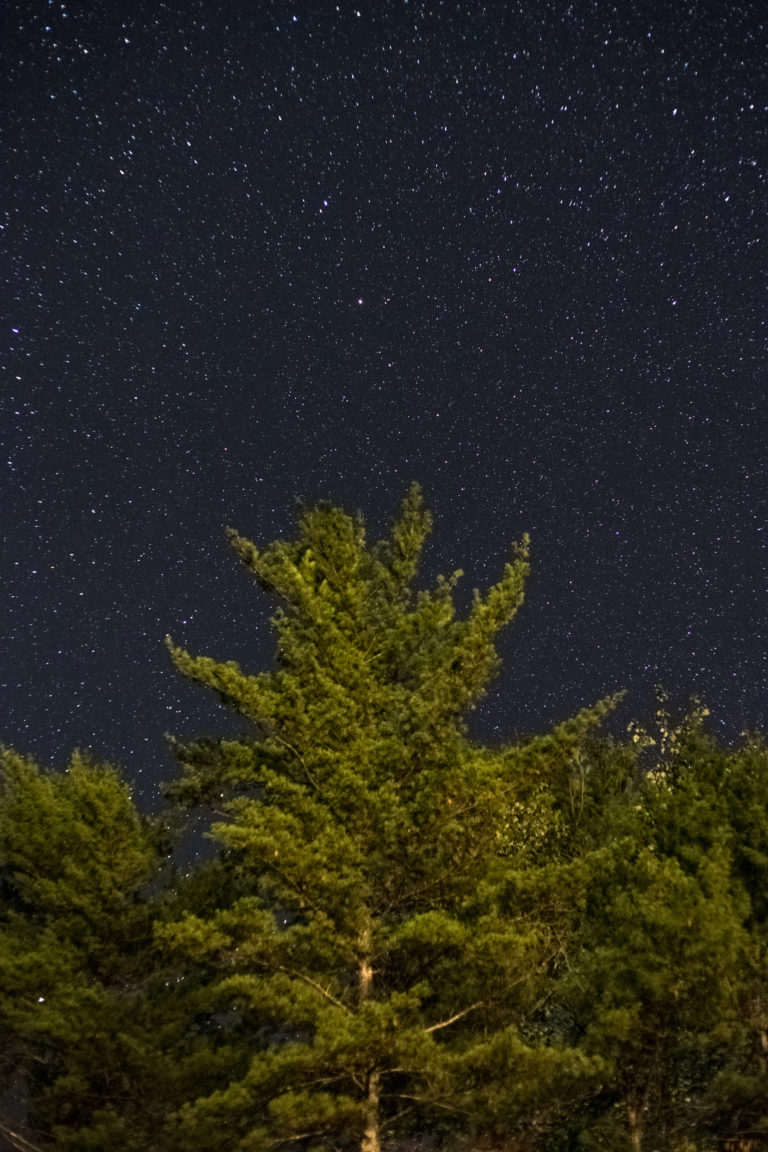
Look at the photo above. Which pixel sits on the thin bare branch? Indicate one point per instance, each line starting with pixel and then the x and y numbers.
pixel 17 1141
pixel 453 1019
pixel 318 988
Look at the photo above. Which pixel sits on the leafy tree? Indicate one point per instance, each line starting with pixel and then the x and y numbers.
pixel 380 959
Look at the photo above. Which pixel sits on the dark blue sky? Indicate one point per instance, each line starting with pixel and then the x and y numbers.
pixel 259 250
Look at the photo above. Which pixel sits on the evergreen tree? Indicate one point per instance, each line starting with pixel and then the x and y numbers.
pixel 560 944
pixel 380 956
pixel 96 1037
pixel 667 969
pixel 73 853
pixel 719 804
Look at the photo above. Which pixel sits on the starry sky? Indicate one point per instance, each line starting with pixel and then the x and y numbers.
pixel 261 249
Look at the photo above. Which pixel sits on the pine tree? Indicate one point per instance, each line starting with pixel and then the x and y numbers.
pixel 377 957
pixel 719 805
pixel 73 853
pixel 94 1032
pixel 667 976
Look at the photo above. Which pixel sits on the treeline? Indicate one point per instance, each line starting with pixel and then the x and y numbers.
pixel 407 939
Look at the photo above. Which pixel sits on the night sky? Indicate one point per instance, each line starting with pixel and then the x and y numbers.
pixel 260 250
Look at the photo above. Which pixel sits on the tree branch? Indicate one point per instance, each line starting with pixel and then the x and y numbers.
pixel 295 752
pixel 318 988
pixel 453 1019
pixel 17 1141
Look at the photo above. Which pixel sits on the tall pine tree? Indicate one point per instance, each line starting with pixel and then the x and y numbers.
pixel 377 954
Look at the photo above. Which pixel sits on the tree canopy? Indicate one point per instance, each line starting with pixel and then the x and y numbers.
pixel 552 944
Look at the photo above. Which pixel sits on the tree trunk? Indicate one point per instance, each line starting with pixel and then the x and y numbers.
pixel 366 980
pixel 761 1033
pixel 635 1118
pixel 371 1141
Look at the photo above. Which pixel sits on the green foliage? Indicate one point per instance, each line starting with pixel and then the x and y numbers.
pixel 95 1033
pixel 73 854
pixel 555 945
pixel 380 943
pixel 666 978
